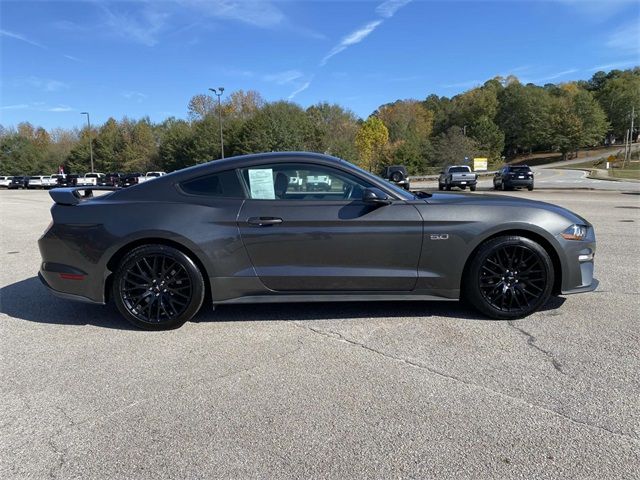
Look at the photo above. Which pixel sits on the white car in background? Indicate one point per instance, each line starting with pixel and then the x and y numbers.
pixel 151 175
pixel 90 179
pixel 5 181
pixel 52 181
pixel 38 181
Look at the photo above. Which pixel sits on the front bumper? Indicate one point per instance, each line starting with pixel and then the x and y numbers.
pixel 578 264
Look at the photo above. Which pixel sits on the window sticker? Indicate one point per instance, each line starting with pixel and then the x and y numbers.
pixel 261 184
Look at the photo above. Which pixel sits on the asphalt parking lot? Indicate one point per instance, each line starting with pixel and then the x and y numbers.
pixel 361 390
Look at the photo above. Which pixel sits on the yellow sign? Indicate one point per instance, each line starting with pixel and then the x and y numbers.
pixel 480 164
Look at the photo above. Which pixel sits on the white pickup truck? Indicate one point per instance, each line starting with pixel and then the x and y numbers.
pixel 459 176
pixel 151 175
pixel 318 183
pixel 90 179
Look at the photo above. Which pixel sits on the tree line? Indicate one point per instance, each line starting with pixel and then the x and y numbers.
pixel 500 119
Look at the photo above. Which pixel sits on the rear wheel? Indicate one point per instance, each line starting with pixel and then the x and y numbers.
pixel 157 287
pixel 472 188
pixel 530 187
pixel 448 188
pixel 440 187
pixel 510 277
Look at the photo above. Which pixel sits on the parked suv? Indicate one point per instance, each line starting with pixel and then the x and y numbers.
pixel 459 176
pixel 19 182
pixel 513 176
pixel 5 181
pixel 397 174
pixel 70 180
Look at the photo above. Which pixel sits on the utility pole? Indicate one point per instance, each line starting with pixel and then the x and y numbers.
pixel 629 139
pixel 90 139
pixel 218 93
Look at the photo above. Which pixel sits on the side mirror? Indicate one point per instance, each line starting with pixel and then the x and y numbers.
pixel 375 196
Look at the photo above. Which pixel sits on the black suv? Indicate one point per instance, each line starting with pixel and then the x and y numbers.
pixel 513 176
pixel 68 180
pixel 111 180
pixel 397 174
pixel 19 182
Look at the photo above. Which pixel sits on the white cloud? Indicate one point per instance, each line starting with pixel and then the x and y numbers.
pixel 615 65
pixel 254 12
pixel 46 84
pixel 465 84
pixel 71 57
pixel 59 108
pixel 132 95
pixel 552 76
pixel 390 7
pixel 351 39
pixel 39 106
pixel 20 106
pixel 300 89
pixel 282 78
pixel 626 39
pixel 143 27
pixel 22 38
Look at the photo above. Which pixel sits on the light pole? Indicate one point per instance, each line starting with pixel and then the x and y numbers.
pixel 90 141
pixel 218 93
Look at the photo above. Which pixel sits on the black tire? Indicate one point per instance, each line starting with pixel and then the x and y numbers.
pixel 530 188
pixel 509 277
pixel 440 187
pixel 396 177
pixel 448 188
pixel 157 287
pixel 472 188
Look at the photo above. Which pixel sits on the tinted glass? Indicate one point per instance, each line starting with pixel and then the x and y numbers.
pixel 459 170
pixel 520 169
pixel 223 184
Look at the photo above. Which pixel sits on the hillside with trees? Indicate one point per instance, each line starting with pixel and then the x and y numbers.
pixel 501 118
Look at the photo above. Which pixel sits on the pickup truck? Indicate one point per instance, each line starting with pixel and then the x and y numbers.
pixel 457 176
pixel 318 183
pixel 90 179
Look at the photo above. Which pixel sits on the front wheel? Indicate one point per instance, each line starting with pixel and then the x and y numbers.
pixel 509 277
pixel 157 287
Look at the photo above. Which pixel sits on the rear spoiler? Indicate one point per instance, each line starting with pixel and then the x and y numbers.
pixel 72 195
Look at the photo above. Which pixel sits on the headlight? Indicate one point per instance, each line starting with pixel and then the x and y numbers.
pixel 575 232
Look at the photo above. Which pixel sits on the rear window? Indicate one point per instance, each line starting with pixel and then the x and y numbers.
pixel 520 169
pixel 222 185
pixel 459 170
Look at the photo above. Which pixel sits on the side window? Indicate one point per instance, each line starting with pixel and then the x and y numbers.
pixel 223 184
pixel 302 182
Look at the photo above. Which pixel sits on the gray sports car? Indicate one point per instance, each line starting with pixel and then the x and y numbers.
pixel 232 231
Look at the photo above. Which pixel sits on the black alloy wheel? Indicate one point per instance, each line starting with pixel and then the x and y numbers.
pixel 510 277
pixel 158 287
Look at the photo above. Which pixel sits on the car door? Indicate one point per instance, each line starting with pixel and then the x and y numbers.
pixel 326 238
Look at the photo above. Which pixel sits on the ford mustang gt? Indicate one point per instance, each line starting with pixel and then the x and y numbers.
pixel 233 231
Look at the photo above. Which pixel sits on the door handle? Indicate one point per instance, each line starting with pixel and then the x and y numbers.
pixel 264 221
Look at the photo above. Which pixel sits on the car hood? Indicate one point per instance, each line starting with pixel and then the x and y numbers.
pixel 503 201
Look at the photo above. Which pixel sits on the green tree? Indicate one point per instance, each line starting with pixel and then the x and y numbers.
pixel 336 128
pixel 619 95
pixel 278 126
pixel 452 146
pixel 523 116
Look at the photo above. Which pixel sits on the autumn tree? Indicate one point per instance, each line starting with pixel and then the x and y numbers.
pixel 371 139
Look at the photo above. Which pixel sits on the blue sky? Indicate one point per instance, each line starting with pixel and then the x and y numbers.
pixel 147 58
